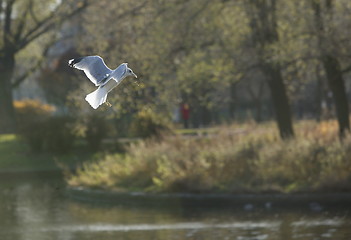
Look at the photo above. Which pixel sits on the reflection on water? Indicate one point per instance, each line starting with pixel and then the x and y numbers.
pixel 36 208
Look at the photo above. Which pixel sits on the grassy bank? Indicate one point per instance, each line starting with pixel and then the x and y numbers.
pixel 239 158
pixel 15 155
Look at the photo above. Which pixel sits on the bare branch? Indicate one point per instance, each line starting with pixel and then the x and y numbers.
pixel 199 11
pixel 31 12
pixel 46 24
pixel 21 23
pixel 285 64
pixel 133 10
pixel 7 23
pixel 28 37
pixel 346 70
pixel 18 80
pixel 256 96
pixel 24 76
pixel 1 7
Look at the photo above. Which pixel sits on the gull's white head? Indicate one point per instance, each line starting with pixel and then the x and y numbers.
pixel 129 72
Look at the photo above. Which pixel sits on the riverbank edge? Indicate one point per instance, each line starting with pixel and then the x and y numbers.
pixel 308 201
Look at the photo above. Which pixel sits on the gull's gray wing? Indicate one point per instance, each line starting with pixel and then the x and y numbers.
pixel 119 72
pixel 93 66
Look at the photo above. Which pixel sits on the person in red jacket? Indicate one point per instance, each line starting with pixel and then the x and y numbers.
pixel 185 110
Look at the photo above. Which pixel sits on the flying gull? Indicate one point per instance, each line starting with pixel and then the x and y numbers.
pixel 102 76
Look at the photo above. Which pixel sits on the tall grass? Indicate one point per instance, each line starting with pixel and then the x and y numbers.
pixel 238 158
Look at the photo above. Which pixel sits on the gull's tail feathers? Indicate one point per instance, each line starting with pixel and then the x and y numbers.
pixel 96 98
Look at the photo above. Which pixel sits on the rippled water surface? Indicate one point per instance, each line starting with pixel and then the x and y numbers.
pixel 36 207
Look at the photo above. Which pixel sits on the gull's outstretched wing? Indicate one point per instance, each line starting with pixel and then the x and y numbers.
pixel 93 66
pixel 119 72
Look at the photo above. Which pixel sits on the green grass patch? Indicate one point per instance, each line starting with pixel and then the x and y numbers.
pixel 15 155
pixel 239 158
pixel 197 131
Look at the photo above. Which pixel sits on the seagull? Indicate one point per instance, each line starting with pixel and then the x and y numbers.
pixel 103 77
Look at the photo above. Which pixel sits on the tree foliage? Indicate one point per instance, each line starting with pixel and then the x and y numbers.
pixel 22 23
pixel 222 57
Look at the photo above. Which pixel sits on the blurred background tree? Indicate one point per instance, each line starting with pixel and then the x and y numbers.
pixel 22 23
pixel 229 60
pixel 325 29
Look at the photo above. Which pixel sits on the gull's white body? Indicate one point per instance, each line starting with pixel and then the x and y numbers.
pixel 99 96
pixel 102 76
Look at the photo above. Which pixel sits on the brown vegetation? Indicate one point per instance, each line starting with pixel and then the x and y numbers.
pixel 250 160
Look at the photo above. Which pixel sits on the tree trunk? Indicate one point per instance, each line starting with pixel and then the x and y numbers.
pixel 7 113
pixel 257 99
pixel 280 101
pixel 264 29
pixel 206 116
pixel 232 101
pixel 319 98
pixel 258 106
pixel 337 86
pixel 332 67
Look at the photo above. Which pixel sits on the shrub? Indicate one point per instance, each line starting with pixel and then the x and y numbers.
pixel 253 159
pixel 148 124
pixel 93 128
pixel 31 116
pixel 41 129
pixel 59 135
pixel 96 131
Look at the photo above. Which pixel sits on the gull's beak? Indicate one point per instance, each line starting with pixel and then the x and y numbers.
pixel 135 75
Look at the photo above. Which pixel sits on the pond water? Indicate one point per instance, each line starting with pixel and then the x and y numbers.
pixel 37 207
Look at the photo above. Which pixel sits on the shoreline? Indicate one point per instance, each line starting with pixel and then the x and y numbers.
pixel 252 201
pixel 310 201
